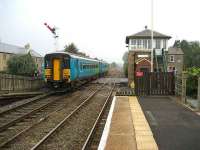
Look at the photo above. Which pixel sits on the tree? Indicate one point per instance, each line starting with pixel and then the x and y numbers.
pixel 22 65
pixel 71 48
pixel 177 44
pixel 191 53
pixel 125 65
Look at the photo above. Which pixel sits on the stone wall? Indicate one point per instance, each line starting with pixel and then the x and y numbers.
pixel 178 63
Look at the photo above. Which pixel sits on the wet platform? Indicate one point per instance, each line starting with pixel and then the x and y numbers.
pixel 175 127
pixel 112 80
pixel 126 127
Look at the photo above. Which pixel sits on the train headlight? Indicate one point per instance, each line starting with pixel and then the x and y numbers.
pixel 47 72
pixel 66 73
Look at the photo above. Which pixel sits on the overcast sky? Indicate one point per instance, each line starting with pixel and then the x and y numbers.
pixel 97 27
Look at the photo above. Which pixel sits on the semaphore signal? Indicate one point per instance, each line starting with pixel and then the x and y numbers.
pixel 53 30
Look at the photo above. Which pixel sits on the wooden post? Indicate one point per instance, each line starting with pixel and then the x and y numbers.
pixel 183 91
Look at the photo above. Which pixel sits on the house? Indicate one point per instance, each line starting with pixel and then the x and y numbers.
pixel 139 53
pixel 8 50
pixel 175 60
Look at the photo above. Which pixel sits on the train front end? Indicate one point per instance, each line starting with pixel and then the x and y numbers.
pixel 57 69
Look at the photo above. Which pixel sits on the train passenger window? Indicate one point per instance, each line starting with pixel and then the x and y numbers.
pixel 84 66
pixel 81 66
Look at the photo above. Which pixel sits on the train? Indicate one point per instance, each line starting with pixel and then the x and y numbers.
pixel 63 69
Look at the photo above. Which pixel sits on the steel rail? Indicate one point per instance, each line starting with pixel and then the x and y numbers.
pixel 64 120
pixel 14 121
pixel 29 127
pixel 33 99
pixel 89 138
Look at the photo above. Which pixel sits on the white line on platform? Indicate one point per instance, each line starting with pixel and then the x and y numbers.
pixel 106 130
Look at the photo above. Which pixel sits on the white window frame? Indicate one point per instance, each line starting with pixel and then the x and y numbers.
pixel 133 42
pixel 165 44
pixel 158 43
pixel 149 43
pixel 139 43
pixel 145 44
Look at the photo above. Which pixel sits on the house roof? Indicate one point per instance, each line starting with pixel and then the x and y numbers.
pixel 13 49
pixel 147 34
pixel 175 51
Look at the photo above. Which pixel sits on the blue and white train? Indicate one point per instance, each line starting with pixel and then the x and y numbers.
pixel 65 69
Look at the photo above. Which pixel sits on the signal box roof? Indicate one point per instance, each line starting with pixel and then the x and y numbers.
pixel 146 34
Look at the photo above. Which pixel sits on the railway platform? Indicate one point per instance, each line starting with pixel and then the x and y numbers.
pixel 127 127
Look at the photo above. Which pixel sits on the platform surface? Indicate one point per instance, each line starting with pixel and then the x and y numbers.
pixel 174 126
pixel 128 128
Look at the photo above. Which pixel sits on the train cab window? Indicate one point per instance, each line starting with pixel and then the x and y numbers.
pixel 66 63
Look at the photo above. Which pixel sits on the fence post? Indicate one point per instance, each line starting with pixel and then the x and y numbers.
pixel 198 93
pixel 183 91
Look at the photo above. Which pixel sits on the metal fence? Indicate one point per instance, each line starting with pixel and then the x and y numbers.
pixel 12 83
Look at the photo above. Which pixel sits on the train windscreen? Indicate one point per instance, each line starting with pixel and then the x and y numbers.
pixel 66 62
pixel 47 62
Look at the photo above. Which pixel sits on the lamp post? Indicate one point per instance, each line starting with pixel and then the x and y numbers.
pixel 151 35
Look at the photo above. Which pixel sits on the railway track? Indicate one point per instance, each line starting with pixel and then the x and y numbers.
pixel 64 135
pixel 29 124
pixel 64 121
pixel 94 136
pixel 12 116
pixel 24 103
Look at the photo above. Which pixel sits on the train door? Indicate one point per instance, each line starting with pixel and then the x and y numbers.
pixel 56 69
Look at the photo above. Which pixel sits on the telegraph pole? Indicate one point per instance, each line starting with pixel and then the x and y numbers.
pixel 152 35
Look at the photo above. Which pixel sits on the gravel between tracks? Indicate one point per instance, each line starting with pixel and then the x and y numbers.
pixel 75 131
pixel 33 135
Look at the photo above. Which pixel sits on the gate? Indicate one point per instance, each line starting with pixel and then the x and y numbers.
pixel 155 83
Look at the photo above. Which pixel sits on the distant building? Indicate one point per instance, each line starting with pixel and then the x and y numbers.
pixel 8 50
pixel 175 60
pixel 139 56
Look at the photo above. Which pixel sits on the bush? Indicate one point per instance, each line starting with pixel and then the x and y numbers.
pixel 192 81
pixel 22 65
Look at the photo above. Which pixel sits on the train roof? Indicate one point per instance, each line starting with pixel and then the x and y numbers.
pixel 77 56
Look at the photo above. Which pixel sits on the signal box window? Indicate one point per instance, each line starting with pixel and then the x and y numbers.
pixel 158 44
